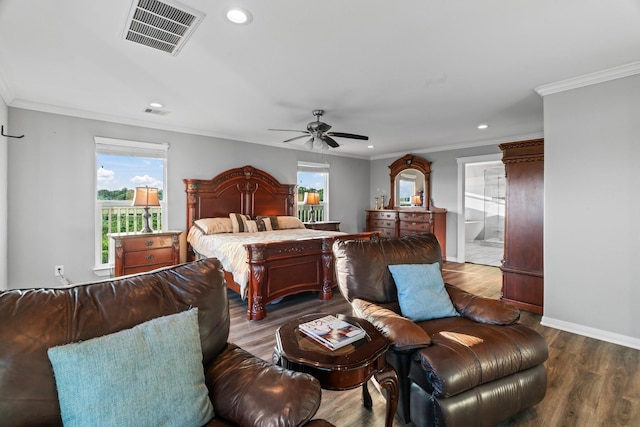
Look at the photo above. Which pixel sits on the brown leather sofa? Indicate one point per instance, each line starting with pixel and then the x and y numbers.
pixel 244 389
pixel 477 369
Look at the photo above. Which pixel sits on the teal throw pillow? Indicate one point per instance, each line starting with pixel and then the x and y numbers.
pixel 421 291
pixel 149 375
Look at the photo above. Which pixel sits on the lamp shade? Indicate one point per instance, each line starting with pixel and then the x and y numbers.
pixel 311 198
pixel 146 196
pixel 415 200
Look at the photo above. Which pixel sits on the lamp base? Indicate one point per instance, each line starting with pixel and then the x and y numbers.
pixel 146 217
pixel 312 216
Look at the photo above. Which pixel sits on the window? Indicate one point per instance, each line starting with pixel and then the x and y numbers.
pixel 121 166
pixel 313 178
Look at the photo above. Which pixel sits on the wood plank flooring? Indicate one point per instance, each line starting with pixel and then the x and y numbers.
pixel 590 382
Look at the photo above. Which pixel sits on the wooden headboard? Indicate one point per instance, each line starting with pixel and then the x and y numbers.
pixel 245 190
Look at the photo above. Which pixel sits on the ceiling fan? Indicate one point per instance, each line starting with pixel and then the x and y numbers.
pixel 319 134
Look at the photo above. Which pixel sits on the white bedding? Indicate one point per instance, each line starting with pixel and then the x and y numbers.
pixel 229 247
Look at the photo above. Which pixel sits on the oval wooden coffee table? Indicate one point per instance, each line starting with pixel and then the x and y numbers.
pixel 346 368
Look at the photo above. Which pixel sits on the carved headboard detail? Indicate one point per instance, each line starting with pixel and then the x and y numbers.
pixel 245 190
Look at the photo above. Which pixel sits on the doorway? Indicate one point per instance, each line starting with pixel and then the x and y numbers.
pixel 482 188
pixel 484 213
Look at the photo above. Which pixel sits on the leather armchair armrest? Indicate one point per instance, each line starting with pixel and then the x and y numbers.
pixel 248 391
pixel 403 333
pixel 482 310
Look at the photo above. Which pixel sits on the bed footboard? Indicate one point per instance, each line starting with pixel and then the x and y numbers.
pixel 278 269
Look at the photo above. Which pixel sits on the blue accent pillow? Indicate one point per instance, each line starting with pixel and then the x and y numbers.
pixel 421 291
pixel 149 375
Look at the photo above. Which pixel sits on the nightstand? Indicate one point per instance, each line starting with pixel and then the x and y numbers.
pixel 323 225
pixel 140 252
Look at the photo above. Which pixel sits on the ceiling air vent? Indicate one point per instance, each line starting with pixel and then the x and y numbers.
pixel 158 112
pixel 162 25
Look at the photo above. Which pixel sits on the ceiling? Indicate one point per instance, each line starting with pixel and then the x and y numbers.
pixel 415 76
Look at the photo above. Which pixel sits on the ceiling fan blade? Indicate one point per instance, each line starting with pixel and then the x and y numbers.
pixel 296 137
pixel 289 130
pixel 323 127
pixel 330 141
pixel 348 135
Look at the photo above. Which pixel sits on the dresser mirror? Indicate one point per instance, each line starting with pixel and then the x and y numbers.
pixel 409 189
pixel 410 183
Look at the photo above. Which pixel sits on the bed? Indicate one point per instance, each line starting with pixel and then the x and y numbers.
pixel 277 262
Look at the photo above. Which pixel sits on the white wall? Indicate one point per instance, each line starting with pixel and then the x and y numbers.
pixel 4 120
pixel 592 210
pixel 444 185
pixel 51 195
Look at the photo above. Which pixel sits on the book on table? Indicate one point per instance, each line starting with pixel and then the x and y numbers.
pixel 332 332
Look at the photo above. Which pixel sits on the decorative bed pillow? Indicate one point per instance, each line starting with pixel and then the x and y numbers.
pixel 286 222
pixel 214 225
pixel 264 223
pixel 250 226
pixel 421 292
pixel 273 220
pixel 239 222
pixel 148 375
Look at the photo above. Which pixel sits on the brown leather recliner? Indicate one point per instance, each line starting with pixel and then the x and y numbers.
pixel 244 389
pixel 477 369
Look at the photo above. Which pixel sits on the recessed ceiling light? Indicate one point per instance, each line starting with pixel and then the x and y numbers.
pixel 370 146
pixel 239 16
pixel 155 105
pixel 483 126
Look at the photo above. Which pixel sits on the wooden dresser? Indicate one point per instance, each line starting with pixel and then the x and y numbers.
pixel 406 222
pixel 522 268
pixel 396 220
pixel 383 221
pixel 140 252
pixel 411 223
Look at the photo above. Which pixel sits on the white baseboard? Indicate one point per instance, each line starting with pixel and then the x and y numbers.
pixel 587 331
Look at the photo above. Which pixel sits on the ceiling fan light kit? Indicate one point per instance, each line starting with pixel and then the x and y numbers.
pixel 320 135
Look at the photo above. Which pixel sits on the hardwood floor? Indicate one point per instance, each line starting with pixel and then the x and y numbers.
pixel 590 382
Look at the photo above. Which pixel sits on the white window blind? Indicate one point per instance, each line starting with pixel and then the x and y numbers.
pixel 313 167
pixel 121 147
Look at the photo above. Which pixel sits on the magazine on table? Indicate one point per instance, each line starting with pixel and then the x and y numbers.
pixel 332 332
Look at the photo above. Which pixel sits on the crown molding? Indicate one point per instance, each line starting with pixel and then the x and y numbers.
pixel 590 79
pixel 54 109
pixel 85 114
pixel 463 145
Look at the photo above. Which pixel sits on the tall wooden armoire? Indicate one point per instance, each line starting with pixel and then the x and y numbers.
pixel 522 268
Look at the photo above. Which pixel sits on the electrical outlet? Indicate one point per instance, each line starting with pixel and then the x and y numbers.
pixel 59 270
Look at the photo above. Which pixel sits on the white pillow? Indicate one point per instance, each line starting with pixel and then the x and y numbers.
pixel 251 226
pixel 214 225
pixel 289 222
pixel 264 223
pixel 239 222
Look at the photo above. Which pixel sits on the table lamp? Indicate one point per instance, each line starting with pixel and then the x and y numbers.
pixel 311 199
pixel 146 196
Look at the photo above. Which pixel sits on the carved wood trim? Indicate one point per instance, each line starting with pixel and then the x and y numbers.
pixel 531 150
pixel 409 161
